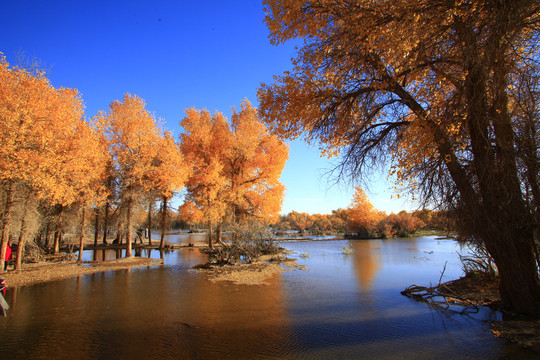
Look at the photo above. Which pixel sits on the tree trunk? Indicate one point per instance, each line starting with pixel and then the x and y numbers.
pixel 46 243
pixel 128 224
pixel 106 223
pixel 218 234
pixel 58 234
pixel 23 235
pixel 96 228
pixel 163 222
pixel 150 222
pixel 57 241
pixel 81 238
pixel 6 224
pixel 119 237
pixel 515 259
pixel 210 243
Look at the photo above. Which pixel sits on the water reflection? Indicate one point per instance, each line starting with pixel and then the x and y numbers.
pixel 366 262
pixel 239 322
pixel 135 313
pixel 344 306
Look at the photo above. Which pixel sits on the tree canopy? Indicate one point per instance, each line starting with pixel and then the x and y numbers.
pixel 47 148
pixel 446 92
pixel 236 166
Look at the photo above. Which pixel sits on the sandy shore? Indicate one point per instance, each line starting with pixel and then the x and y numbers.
pixel 50 271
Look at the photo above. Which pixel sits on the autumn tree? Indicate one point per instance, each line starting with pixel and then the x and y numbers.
pixel 363 216
pixel 435 89
pixel 90 157
pixel 202 144
pixel 190 213
pixel 237 166
pixel 253 161
pixel 168 173
pixel 39 129
pixel 132 135
pixel 401 224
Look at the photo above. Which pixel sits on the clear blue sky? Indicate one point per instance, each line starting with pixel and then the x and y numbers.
pixel 174 54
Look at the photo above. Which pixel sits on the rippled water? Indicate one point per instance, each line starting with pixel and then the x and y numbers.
pixel 343 307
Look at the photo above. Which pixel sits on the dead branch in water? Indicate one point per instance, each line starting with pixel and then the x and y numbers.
pixel 440 296
pixel 443 295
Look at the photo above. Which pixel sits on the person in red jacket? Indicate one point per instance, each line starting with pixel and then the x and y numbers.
pixel 9 255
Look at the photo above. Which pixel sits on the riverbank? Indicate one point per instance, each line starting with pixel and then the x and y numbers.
pixel 35 273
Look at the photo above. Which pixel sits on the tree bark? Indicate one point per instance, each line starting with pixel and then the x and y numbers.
pixel 218 234
pixel 150 222
pixel 59 229
pixel 210 243
pixel 83 225
pixel 515 259
pixel 106 223
pixel 6 224
pixel 163 222
pixel 57 240
pixel 96 228
pixel 128 224
pixel 23 235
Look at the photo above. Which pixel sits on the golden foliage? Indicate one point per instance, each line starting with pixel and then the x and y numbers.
pixel 236 166
pixel 363 215
pixel 46 142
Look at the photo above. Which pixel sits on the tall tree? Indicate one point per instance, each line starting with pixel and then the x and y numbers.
pixel 202 144
pixel 428 86
pixel 237 166
pixel 364 217
pixel 253 161
pixel 190 213
pixel 168 174
pixel 39 125
pixel 132 135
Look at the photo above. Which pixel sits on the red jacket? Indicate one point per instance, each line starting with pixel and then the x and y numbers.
pixel 8 253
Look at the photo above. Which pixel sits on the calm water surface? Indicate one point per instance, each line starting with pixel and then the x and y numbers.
pixel 343 307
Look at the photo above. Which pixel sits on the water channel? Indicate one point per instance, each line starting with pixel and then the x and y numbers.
pixel 343 307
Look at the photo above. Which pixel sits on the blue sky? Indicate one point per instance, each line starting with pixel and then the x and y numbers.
pixel 175 55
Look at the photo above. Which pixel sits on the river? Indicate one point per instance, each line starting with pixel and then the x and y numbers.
pixel 346 305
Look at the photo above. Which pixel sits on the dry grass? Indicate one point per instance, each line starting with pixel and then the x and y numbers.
pixel 256 273
pixel 51 271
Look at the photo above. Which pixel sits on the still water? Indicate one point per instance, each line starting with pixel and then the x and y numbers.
pixel 342 307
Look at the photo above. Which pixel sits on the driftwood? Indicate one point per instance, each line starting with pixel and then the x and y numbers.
pixel 441 296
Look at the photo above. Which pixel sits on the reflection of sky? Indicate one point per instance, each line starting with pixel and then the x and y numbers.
pixel 350 304
pixel 343 306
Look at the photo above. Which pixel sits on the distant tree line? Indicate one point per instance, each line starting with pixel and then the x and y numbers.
pixel 362 220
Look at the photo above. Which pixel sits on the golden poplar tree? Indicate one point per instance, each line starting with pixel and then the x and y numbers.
pixel 430 87
pixel 205 136
pixel 237 166
pixel 254 160
pixel 132 135
pixel 168 173
pixel 363 216
pixel 40 132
